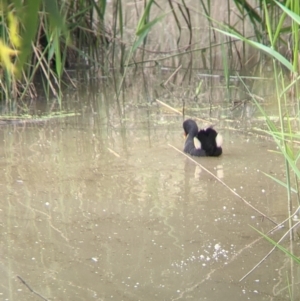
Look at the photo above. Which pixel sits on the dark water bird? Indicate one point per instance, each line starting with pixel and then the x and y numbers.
pixel 206 142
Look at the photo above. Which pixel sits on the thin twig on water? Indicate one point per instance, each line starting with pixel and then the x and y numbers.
pixel 178 112
pixel 34 292
pixel 169 107
pixel 113 152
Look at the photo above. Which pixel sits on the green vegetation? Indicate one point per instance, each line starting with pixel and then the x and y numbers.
pixel 285 133
pixel 41 39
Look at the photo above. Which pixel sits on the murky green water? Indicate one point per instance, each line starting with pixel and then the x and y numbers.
pixel 96 209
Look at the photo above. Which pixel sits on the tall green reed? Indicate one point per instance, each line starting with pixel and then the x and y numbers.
pixel 20 24
pixel 79 27
pixel 41 37
pixel 283 134
pixel 143 28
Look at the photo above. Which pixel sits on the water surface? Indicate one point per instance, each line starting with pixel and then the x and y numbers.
pixel 95 207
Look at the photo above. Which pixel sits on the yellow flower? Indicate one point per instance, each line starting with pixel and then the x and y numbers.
pixel 13 26
pixel 5 56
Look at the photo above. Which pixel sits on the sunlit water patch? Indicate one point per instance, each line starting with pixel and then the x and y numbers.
pixel 209 255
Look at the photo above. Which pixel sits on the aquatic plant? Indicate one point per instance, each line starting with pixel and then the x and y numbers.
pixel 285 134
pixel 101 37
pixel 35 43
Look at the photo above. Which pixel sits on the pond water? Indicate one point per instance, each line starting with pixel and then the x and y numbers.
pixel 99 207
